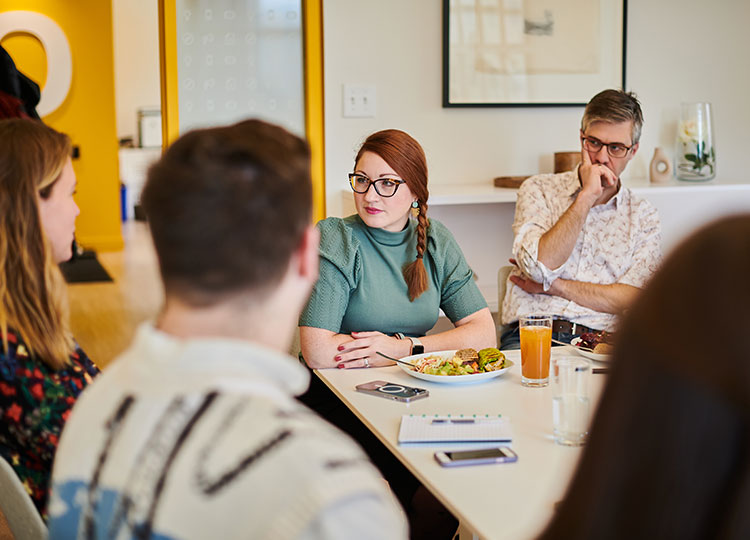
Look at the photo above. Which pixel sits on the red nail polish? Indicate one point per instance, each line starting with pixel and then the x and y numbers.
pixel 337 358
pixel 340 366
pixel 341 347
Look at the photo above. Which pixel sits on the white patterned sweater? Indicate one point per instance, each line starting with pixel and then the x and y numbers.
pixel 202 438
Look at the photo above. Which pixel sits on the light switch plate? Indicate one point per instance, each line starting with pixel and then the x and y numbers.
pixel 360 100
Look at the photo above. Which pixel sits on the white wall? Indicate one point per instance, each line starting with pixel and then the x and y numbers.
pixel 136 47
pixel 677 50
pixel 691 50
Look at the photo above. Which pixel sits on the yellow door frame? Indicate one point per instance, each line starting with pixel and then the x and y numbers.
pixel 312 21
pixel 312 32
pixel 170 115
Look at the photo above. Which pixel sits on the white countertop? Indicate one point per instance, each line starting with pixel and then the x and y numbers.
pixel 643 186
pixel 513 500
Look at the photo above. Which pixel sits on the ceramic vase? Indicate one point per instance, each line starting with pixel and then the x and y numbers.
pixel 660 169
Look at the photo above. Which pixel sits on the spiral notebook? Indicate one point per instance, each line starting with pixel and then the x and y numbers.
pixel 417 429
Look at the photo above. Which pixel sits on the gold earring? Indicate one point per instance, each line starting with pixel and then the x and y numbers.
pixel 415 209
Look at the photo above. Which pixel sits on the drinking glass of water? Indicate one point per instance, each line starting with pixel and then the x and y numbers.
pixel 570 401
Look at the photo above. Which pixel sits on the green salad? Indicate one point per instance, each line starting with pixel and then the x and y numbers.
pixel 464 362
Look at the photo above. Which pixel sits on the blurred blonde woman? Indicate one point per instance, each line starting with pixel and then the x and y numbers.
pixel 42 370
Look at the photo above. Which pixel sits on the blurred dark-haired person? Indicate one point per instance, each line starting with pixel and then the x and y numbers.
pixel 194 432
pixel 584 244
pixel 669 452
pixel 42 370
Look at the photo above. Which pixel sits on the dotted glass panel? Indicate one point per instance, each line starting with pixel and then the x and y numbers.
pixel 240 59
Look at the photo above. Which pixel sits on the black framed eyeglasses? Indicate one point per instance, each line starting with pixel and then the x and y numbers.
pixel 385 187
pixel 615 150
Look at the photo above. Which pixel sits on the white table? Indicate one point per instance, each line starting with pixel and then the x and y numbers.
pixel 512 500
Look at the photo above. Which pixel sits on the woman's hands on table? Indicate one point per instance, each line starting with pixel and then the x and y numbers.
pixel 323 348
pixel 361 350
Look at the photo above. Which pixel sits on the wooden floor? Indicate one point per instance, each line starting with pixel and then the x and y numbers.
pixel 104 316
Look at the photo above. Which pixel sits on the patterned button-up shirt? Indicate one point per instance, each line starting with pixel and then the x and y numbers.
pixel 620 243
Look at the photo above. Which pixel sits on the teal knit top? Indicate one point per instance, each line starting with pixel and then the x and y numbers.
pixel 362 288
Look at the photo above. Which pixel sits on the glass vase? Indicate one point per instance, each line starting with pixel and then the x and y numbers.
pixel 695 153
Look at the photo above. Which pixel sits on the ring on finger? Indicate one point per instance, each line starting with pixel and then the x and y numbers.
pixel 367 362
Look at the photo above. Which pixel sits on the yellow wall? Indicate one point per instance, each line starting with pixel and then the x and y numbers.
pixel 88 113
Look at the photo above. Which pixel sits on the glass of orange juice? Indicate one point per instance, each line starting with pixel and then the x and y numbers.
pixel 536 346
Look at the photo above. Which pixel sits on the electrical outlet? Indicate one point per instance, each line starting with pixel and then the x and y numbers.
pixel 359 101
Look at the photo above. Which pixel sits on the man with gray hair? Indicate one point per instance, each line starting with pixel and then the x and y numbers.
pixel 584 244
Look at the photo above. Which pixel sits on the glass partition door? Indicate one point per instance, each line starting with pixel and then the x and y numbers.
pixel 240 59
pixel 227 60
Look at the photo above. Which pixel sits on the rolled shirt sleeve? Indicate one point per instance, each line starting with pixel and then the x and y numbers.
pixel 533 218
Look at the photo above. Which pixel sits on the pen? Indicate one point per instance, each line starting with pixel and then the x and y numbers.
pixel 601 370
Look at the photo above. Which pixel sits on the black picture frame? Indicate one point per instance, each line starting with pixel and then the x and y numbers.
pixel 465 86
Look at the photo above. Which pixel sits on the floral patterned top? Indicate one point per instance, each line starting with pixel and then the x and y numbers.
pixel 35 402
pixel 620 242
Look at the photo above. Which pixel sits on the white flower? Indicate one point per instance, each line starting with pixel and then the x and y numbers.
pixel 688 131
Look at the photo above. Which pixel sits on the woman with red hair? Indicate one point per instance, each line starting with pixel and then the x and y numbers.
pixel 384 276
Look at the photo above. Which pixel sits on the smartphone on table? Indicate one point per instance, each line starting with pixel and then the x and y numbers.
pixel 500 454
pixel 395 391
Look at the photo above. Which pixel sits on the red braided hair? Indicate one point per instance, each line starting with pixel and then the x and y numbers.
pixel 406 157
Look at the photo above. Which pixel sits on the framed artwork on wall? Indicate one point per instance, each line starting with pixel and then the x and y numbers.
pixel 521 53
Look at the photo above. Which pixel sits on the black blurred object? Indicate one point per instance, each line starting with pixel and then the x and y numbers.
pixel 139 213
pixel 75 152
pixel 83 267
pixel 15 84
pixel 11 107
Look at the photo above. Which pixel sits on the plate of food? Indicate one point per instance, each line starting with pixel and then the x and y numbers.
pixel 463 366
pixel 594 345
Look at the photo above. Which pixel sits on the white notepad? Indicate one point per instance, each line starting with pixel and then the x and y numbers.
pixel 449 428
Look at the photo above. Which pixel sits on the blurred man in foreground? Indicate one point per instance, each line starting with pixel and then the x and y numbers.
pixel 194 432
